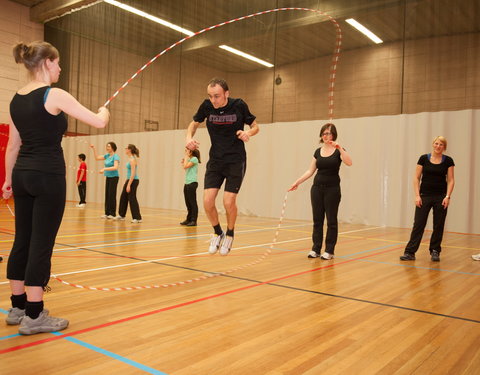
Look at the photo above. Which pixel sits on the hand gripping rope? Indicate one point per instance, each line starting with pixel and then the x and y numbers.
pixel 331 89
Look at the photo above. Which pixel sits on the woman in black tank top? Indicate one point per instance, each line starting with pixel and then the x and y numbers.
pixel 35 174
pixel 325 192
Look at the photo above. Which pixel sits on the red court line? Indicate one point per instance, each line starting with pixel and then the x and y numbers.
pixel 103 325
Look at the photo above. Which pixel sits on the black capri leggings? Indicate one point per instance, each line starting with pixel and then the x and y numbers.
pixel 39 205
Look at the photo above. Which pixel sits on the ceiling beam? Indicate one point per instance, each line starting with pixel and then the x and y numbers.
pixel 49 9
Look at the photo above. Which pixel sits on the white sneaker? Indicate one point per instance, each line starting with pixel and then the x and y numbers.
pixel 327 256
pixel 78 205
pixel 476 257
pixel 103 217
pixel 110 217
pixel 119 217
pixel 81 205
pixel 226 245
pixel 312 254
pixel 215 242
pixel 135 221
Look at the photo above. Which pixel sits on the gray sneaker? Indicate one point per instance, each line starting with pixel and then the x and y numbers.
pixel 15 316
pixel 43 323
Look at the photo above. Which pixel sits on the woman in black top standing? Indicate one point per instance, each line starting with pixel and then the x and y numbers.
pixel 35 173
pixel 325 192
pixel 433 185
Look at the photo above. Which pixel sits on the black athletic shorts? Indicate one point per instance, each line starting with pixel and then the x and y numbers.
pixel 218 171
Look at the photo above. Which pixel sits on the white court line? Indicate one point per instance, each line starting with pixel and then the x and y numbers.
pixel 191 255
pixel 100 245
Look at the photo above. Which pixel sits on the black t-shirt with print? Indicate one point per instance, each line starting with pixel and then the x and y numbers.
pixel 434 176
pixel 223 124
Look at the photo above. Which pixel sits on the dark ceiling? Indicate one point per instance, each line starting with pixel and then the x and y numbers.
pixel 280 37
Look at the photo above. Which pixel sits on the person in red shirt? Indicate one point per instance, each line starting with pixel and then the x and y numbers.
pixel 82 180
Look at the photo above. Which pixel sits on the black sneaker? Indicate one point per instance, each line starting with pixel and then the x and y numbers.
pixel 184 222
pixel 435 256
pixel 191 224
pixel 407 256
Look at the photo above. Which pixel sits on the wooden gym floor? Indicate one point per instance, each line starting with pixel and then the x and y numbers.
pixel 364 312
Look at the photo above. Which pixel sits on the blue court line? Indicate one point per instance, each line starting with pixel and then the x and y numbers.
pixel 115 356
pixel 9 336
pixel 98 350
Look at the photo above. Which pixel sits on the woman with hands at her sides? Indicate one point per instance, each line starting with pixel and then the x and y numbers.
pixel 129 191
pixel 325 192
pixel 433 185
pixel 35 174
pixel 110 171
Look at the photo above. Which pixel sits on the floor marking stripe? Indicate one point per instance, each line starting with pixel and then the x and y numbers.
pixel 247 287
pixel 110 354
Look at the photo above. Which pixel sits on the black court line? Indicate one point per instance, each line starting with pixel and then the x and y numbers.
pixel 285 286
pixel 275 284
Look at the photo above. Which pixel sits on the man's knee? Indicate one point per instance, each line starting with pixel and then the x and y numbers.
pixel 230 202
pixel 209 198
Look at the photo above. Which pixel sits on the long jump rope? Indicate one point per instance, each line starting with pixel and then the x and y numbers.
pixel 331 89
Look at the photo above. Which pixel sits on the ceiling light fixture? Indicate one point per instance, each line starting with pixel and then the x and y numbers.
pixel 141 13
pixel 246 55
pixel 364 30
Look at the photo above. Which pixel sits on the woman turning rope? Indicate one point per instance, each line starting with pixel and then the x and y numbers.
pixel 35 173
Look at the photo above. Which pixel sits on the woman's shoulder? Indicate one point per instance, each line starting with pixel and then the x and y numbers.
pixel 423 158
pixel 449 160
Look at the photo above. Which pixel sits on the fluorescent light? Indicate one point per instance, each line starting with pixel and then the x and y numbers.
pixel 138 12
pixel 141 13
pixel 246 55
pixel 364 30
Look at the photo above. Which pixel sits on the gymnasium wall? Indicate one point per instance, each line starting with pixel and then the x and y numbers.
pixel 376 190
pixel 15 26
pixel 427 75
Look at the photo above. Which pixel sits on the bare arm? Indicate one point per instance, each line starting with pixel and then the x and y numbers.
pixel 343 154
pixel 114 168
pixel 308 173
pixel 187 164
pixel 416 185
pixel 82 172
pixel 95 155
pixel 133 167
pixel 245 135
pixel 59 100
pixel 450 185
pixel 191 143
pixel 14 143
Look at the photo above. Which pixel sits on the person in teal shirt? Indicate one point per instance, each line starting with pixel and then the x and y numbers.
pixel 190 164
pixel 110 171
pixel 129 191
